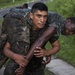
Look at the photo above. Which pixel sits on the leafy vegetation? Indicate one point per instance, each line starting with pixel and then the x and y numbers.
pixel 67 51
pixel 47 72
pixel 1 22
pixel 10 3
pixel 66 8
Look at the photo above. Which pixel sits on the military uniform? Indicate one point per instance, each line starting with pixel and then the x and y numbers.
pixel 18 35
pixel 6 24
pixel 35 66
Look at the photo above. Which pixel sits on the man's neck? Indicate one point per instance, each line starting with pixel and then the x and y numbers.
pixel 35 28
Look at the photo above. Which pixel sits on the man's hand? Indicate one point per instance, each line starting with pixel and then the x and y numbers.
pixel 20 71
pixel 39 52
pixel 20 60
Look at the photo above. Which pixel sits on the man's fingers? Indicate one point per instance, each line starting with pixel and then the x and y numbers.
pixel 20 67
pixel 38 48
pixel 22 64
pixel 36 51
pixel 19 71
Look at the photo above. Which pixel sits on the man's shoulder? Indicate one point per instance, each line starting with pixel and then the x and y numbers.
pixel 54 19
pixel 54 15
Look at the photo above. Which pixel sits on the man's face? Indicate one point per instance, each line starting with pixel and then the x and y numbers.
pixel 39 18
pixel 69 28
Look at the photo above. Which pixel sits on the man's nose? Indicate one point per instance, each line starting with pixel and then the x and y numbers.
pixel 42 19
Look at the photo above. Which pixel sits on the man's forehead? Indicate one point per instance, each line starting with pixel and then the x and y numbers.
pixel 40 11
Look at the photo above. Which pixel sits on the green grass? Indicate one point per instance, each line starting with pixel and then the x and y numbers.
pixel 67 50
pixel 1 22
pixel 47 72
pixel 16 3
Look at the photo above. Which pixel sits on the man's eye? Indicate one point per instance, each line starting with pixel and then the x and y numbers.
pixel 45 16
pixel 39 16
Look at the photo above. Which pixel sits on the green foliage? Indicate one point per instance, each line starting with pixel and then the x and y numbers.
pixel 1 22
pixel 67 50
pixel 10 3
pixel 66 8
pixel 5 1
pixel 47 72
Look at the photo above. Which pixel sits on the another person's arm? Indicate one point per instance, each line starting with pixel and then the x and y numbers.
pixel 40 52
pixel 40 41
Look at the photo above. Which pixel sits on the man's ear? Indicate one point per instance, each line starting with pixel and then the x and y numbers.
pixel 31 15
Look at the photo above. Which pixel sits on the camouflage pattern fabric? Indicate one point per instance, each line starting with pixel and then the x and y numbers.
pixel 57 21
pixel 19 11
pixel 3 39
pixel 14 13
pixel 18 35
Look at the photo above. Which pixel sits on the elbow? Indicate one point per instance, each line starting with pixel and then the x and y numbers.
pixel 58 48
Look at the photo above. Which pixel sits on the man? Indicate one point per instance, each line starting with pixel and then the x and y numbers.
pixel 36 21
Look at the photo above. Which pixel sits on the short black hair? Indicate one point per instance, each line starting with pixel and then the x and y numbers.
pixel 72 19
pixel 25 5
pixel 39 6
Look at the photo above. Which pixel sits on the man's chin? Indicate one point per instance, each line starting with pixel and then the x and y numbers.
pixel 42 26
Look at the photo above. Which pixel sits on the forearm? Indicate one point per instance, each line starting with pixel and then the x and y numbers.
pixel 53 51
pixel 8 53
pixel 55 48
pixel 40 41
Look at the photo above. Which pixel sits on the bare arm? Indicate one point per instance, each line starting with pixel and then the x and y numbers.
pixel 39 52
pixel 40 42
pixel 19 59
